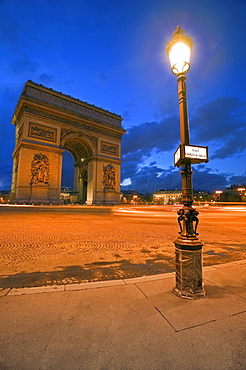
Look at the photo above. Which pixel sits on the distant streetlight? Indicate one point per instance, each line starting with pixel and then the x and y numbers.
pixel 241 189
pixel 218 192
pixel 188 248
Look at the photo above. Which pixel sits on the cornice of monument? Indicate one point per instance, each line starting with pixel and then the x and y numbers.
pixel 60 101
pixel 75 99
pixel 63 118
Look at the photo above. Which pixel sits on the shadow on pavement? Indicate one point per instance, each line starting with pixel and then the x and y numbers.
pixel 97 271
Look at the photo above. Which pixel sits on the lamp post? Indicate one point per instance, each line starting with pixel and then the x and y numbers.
pixel 241 189
pixel 219 192
pixel 188 248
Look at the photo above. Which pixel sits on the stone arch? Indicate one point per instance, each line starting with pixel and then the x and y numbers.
pixel 78 145
pixel 83 151
pixel 47 123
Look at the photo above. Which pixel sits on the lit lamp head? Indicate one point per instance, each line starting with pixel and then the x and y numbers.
pixel 178 51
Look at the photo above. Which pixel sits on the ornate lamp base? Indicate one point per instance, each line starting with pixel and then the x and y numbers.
pixel 189 280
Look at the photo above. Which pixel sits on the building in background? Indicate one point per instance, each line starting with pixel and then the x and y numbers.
pixel 174 196
pixel 167 196
pixel 132 197
pixel 234 193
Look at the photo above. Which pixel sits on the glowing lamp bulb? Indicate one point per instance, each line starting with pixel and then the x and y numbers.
pixel 179 56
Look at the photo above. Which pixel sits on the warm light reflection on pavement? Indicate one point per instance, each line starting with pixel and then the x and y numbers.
pixel 161 210
pixel 43 245
pixel 153 212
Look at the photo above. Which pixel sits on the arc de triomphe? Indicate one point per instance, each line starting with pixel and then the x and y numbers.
pixel 47 123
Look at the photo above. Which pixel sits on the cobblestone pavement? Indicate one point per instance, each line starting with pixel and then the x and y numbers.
pixel 63 245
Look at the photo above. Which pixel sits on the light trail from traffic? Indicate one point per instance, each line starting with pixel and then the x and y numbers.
pixel 43 244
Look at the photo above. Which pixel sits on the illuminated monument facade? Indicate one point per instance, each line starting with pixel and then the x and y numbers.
pixel 48 123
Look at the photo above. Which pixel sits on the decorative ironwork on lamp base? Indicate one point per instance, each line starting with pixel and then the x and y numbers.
pixel 188 253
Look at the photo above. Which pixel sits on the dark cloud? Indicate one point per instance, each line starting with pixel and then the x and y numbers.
pixel 22 65
pixel 8 97
pixel 205 178
pixel 147 179
pixel 132 161
pixel 9 34
pixel 16 32
pixel 222 121
pixel 236 144
pixel 46 78
pixel 151 178
pixel 102 77
pixel 163 136
pixel 215 119
pixel 6 175
pixel 10 94
pixel 128 111
pixel 239 179
pixel 167 105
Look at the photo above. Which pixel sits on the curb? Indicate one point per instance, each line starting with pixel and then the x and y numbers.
pixel 102 284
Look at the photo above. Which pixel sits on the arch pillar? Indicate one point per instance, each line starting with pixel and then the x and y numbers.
pixel 80 182
pixel 107 183
pixel 37 174
pixel 91 173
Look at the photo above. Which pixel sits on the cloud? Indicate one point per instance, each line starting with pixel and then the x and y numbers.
pixel 219 122
pixel 6 175
pixel 102 77
pixel 205 178
pixel 8 97
pixel 151 178
pixel 46 78
pixel 131 163
pixel 9 31
pixel 162 135
pixel 147 179
pixel 239 179
pixel 235 144
pixel 222 121
pixel 129 109
pixel 22 65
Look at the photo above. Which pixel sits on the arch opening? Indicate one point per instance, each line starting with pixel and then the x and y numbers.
pixel 67 170
pixel 77 154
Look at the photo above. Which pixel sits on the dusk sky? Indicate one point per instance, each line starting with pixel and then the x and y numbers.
pixel 111 53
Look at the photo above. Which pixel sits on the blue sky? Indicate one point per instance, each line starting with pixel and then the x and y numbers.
pixel 112 54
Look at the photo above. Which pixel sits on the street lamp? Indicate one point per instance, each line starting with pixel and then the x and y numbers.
pixel 188 248
pixel 219 192
pixel 241 189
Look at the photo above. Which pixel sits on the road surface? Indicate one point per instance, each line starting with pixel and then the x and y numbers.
pixel 46 245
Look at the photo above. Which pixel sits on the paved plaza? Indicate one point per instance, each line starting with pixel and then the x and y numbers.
pixel 126 324
pixel 91 288
pixel 52 245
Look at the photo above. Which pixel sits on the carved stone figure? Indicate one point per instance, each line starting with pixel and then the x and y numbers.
pixel 109 176
pixel 40 169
